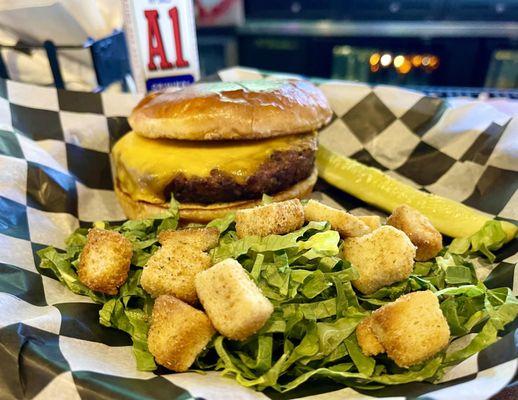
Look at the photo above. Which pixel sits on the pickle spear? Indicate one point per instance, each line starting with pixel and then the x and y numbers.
pixel 374 187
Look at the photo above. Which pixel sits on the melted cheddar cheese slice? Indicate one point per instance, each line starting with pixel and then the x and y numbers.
pixel 144 167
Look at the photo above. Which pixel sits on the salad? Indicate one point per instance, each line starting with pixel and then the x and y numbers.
pixel 306 274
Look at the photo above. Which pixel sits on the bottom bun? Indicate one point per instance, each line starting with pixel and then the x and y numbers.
pixel 203 213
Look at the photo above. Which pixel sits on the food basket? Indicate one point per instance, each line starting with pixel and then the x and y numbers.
pixel 56 176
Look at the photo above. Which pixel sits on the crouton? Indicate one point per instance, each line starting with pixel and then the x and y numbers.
pixel 382 257
pixel 200 238
pixel 346 224
pixel 367 340
pixel 172 269
pixel 235 305
pixel 178 333
pixel 419 229
pixel 372 221
pixel 275 218
pixel 105 261
pixel 411 329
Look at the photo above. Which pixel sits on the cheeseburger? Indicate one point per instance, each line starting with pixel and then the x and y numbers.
pixel 217 147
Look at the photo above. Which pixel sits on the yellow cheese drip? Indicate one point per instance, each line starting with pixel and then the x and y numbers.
pixel 146 166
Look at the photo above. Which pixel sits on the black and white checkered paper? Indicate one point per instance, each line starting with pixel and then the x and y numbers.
pixel 55 175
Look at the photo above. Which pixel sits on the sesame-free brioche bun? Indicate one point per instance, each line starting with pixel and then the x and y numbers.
pixel 203 213
pixel 232 110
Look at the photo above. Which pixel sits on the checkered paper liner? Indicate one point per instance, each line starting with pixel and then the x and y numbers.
pixel 55 175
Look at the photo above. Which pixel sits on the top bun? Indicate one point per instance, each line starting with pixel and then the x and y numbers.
pixel 232 110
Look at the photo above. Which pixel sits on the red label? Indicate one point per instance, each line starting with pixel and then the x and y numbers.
pixel 180 62
pixel 156 44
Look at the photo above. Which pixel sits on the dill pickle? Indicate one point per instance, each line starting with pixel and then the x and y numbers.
pixel 374 187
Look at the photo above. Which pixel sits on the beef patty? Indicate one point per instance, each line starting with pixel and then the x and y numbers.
pixel 282 170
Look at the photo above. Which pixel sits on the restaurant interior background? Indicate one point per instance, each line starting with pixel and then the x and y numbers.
pixel 470 43
pixel 439 43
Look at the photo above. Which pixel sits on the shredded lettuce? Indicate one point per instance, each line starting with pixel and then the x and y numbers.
pixel 222 224
pixel 130 309
pixel 320 244
pixel 358 379
pixel 364 364
pixel 497 306
pixel 491 237
pixel 60 264
pixel 266 199
pixel 311 333
pixel 234 248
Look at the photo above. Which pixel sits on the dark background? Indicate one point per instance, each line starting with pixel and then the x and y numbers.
pixel 470 42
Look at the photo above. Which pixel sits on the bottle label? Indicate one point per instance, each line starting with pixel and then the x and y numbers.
pixel 161 38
